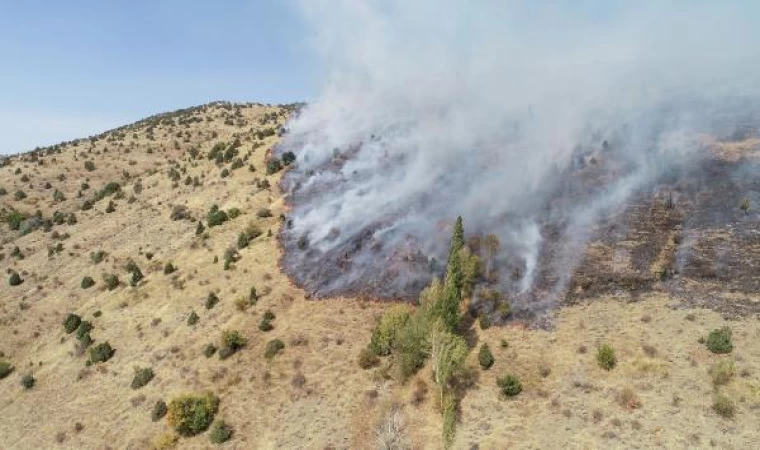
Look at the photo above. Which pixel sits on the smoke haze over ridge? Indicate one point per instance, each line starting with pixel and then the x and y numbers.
pixel 431 110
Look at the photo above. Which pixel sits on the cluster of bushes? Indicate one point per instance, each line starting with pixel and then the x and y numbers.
pixel 192 414
pixel 216 217
pixel 246 236
pixel 101 353
pixel 432 331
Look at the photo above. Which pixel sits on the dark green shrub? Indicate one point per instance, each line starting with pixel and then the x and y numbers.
pixel 220 432
pixel 273 166
pixel 719 341
pixel 266 321
pixel 97 257
pixel 159 411
pixel 193 318
pixel 15 279
pixel 89 166
pixel 71 323
pixel 209 350
pixel 83 333
pixel 606 358
pixel 58 196
pixel 216 217
pixel 101 353
pixel 211 300
pixel 232 341
pixel 16 253
pixel 368 359
pixel 111 207
pixel 71 219
pixel 28 382
pixel 112 281
pixel 5 369
pixel 137 275
pixel 510 385
pixel 87 282
pixel 485 357
pixel 288 158
pixel 253 296
pixel 109 189
pixel 273 347
pixel 142 377
pixel 199 228
pixel 192 414
pixel 169 268
pixel 87 205
pixel 263 213
pixel 19 195
pixel 233 213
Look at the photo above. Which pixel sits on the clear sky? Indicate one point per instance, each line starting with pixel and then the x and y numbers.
pixel 69 69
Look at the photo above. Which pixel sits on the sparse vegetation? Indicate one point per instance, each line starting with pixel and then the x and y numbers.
pixel 724 406
pixel 368 359
pixel 273 348
pixel 220 432
pixel 159 411
pixel 722 372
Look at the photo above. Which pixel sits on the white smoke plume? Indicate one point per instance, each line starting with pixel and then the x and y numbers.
pixel 433 109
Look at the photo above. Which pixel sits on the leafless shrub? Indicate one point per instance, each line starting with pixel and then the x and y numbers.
pixel 390 433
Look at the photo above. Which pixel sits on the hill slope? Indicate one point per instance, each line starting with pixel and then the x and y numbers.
pixel 171 170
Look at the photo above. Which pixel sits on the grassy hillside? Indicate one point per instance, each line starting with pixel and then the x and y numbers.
pixel 133 197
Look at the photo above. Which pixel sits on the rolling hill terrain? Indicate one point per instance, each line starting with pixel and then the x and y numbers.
pixel 160 239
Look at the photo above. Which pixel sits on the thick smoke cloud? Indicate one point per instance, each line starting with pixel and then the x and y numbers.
pixel 433 109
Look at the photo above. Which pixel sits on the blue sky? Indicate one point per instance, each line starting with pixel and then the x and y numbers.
pixel 70 69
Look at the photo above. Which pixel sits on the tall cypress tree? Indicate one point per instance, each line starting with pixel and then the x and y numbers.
pixel 454 279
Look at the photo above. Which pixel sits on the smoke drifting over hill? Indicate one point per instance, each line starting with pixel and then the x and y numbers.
pixel 531 122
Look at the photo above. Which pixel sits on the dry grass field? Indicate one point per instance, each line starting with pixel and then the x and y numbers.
pixel 313 394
